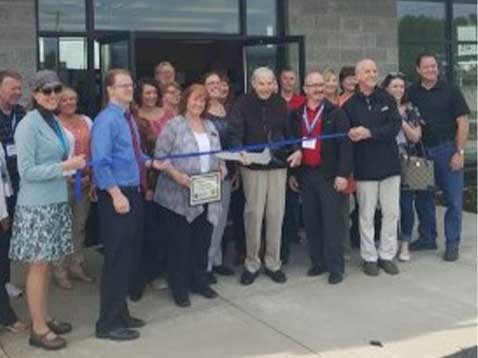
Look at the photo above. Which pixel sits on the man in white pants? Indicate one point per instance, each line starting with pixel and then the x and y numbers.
pixel 375 122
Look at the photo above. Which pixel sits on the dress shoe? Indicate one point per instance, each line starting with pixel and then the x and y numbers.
pixel 182 302
pixel 132 322
pixel 247 277
pixel 451 254
pixel 119 334
pixel 207 292
pixel 420 245
pixel 59 327
pixel 223 270
pixel 315 270
pixel 335 278
pixel 276 276
pixel 388 266
pixel 47 341
pixel 370 268
pixel 211 278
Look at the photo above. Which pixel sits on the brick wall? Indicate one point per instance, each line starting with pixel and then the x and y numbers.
pixel 18 36
pixel 340 32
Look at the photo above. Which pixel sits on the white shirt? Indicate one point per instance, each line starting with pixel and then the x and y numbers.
pixel 204 146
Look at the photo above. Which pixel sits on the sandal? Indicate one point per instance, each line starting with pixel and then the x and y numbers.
pixel 46 341
pixel 59 327
pixel 18 327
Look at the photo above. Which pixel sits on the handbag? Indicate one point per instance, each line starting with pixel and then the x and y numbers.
pixel 418 173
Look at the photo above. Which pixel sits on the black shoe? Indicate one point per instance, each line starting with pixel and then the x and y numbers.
pixel 247 278
pixel 335 278
pixel 119 334
pixel 41 341
pixel 285 259
pixel 315 271
pixel 420 245
pixel 223 270
pixel 182 302
pixel 207 292
pixel 276 276
pixel 451 254
pixel 211 278
pixel 370 268
pixel 59 328
pixel 132 322
pixel 137 291
pixel 388 266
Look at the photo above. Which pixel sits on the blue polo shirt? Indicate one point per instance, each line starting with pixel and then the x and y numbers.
pixel 112 152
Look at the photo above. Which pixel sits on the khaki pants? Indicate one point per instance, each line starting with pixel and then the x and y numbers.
pixel 265 197
pixel 79 210
pixel 369 194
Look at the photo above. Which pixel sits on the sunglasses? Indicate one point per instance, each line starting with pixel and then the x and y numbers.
pixel 49 90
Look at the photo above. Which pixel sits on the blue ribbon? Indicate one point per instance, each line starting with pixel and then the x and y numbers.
pixel 250 147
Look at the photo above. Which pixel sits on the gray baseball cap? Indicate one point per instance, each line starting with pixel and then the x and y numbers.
pixel 44 79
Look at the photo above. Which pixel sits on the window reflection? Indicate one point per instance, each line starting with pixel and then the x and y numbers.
pixel 421 20
pixel 221 16
pixel 261 17
pixel 61 15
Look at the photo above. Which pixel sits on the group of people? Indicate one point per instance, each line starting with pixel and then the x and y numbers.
pixel 344 135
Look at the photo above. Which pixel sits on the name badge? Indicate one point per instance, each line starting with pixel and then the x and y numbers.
pixel 11 150
pixel 309 143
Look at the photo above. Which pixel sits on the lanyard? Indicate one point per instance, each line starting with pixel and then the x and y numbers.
pixel 62 138
pixel 310 127
pixel 14 122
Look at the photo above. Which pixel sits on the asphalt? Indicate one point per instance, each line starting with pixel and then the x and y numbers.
pixel 428 310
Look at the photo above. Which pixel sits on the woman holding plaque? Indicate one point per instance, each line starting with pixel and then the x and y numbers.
pixel 188 221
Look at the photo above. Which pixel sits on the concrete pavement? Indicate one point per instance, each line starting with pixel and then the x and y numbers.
pixel 429 310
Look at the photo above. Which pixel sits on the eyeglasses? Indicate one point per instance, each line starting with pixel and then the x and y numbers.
pixel 49 90
pixel 315 85
pixel 125 86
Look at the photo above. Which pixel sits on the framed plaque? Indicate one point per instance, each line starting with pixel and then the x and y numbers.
pixel 205 188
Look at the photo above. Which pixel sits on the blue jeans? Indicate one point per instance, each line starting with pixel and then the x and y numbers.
pixel 451 183
pixel 411 200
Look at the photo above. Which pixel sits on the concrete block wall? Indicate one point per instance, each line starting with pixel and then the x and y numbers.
pixel 18 36
pixel 341 32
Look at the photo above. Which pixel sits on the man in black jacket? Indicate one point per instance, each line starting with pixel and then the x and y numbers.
pixel 375 122
pixel 326 165
pixel 261 117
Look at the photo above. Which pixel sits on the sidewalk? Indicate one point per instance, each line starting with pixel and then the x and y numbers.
pixel 429 310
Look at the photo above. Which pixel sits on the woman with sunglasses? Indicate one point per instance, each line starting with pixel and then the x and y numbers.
pixel 410 134
pixel 42 230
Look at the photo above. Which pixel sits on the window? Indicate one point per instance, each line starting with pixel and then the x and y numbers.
pixel 261 17
pixel 217 16
pixel 421 27
pixel 67 57
pixel 61 15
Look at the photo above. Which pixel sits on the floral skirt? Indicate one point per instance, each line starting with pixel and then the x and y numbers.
pixel 41 233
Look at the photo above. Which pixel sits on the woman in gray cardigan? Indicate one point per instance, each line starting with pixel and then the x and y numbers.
pixel 41 231
pixel 188 228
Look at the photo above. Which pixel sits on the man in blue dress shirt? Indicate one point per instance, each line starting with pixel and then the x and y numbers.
pixel 117 159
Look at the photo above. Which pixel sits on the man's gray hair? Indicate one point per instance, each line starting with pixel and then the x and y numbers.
pixel 262 72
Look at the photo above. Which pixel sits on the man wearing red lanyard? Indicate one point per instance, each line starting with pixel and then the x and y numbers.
pixel 322 178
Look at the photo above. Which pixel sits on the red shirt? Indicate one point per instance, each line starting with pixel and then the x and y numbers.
pixel 295 102
pixel 312 157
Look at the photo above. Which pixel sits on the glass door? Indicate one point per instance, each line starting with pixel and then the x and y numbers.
pixel 116 51
pixel 275 54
